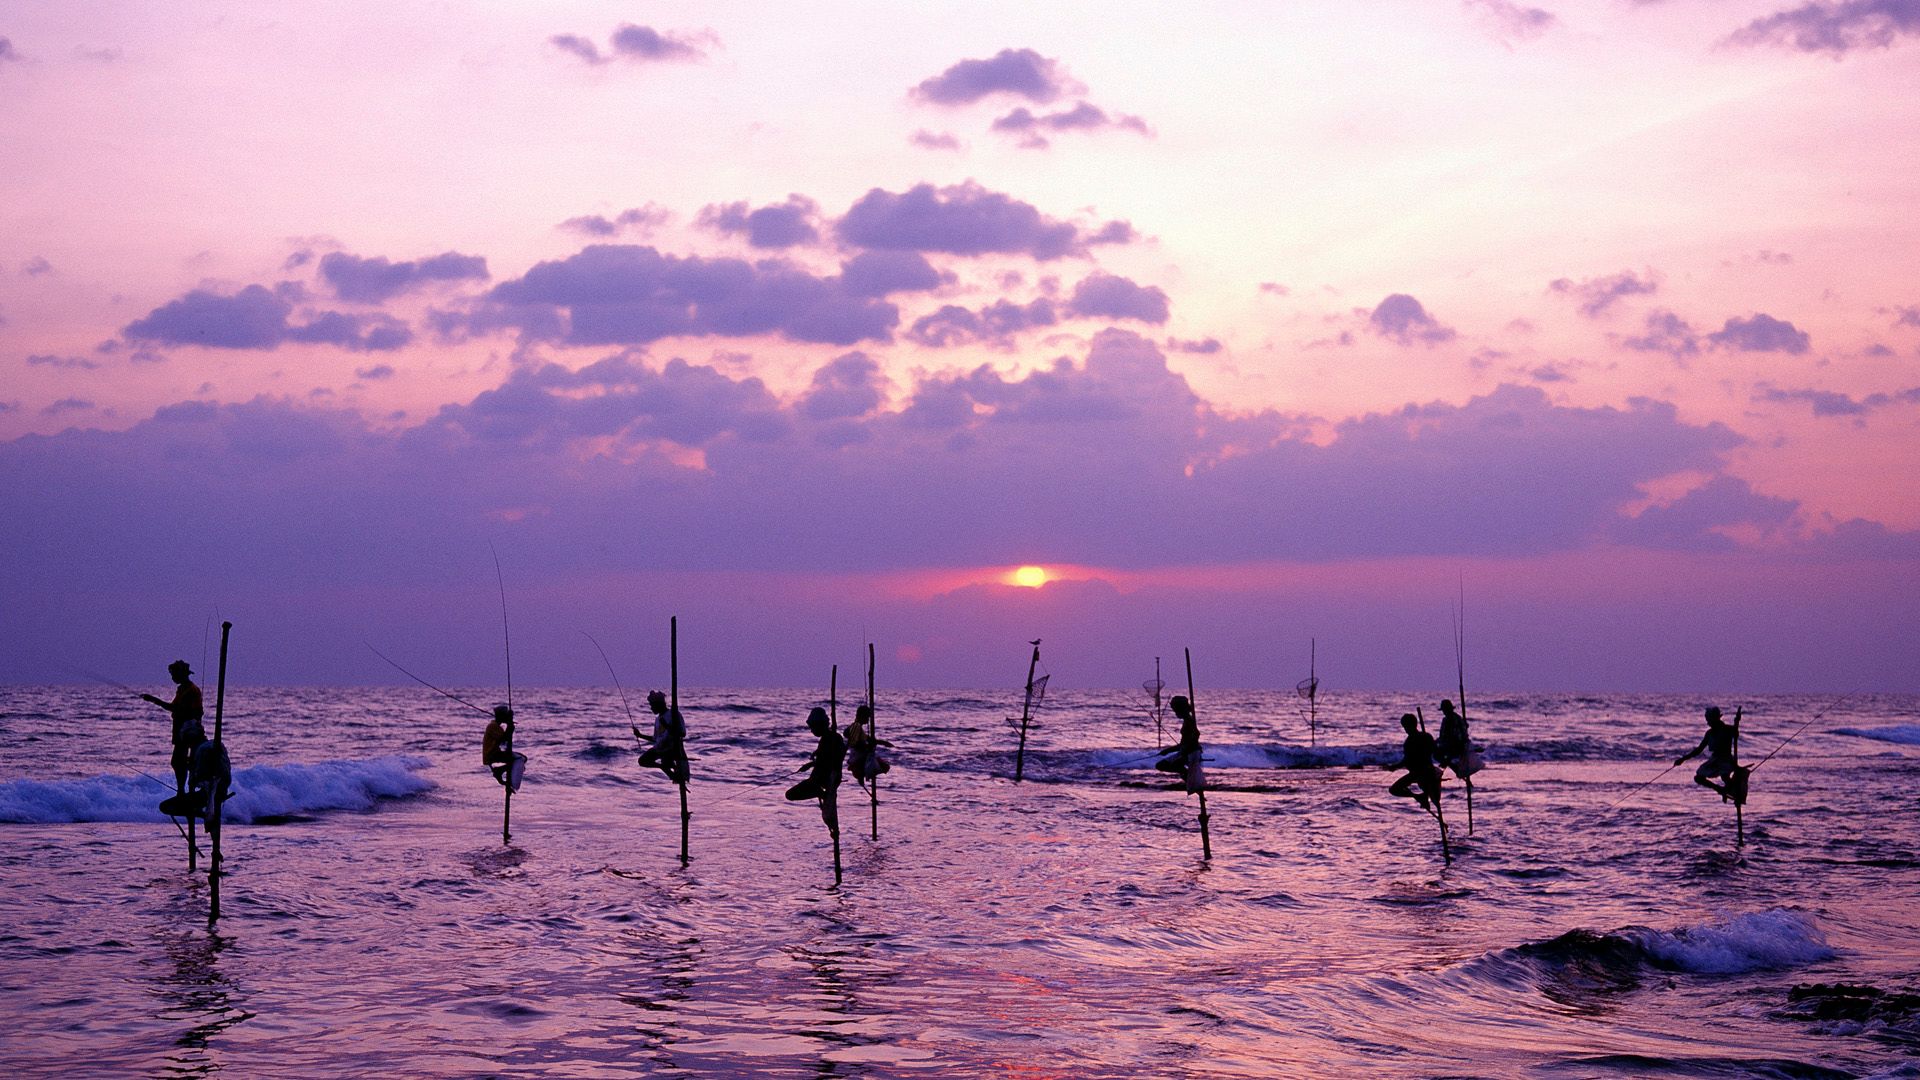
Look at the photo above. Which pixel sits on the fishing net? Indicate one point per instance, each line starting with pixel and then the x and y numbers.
pixel 1039 688
pixel 1307 688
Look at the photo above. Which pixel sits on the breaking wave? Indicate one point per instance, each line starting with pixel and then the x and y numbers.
pixel 1752 941
pixel 1907 734
pixel 260 792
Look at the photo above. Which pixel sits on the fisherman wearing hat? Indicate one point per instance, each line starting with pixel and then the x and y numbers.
pixel 187 709
pixel 1721 742
pixel 823 781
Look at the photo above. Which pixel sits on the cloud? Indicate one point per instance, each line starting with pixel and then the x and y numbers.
pixel 1596 295
pixel 374 373
pixel 640 44
pixel 7 51
pixel 1550 373
pixel 67 405
pixel 1017 72
pixel 621 294
pixel 1833 27
pixel 882 273
pixel 375 280
pixel 1761 333
pixel 619 397
pixel 45 360
pixel 36 266
pixel 1274 288
pixel 1202 347
pixel 1401 318
pixel 847 386
pixel 1833 403
pixel 779 225
pixel 256 318
pixel 1083 116
pixel 965 219
pixel 1697 520
pixel 934 140
pixel 1667 333
pixel 1907 315
pixel 1509 23
pixel 641 218
pixel 995 324
pixel 1107 296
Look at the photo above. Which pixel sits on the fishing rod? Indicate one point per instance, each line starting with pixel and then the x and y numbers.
pixel 1644 786
pixel 1796 731
pixel 757 784
pixel 425 683
pixel 505 635
pixel 628 709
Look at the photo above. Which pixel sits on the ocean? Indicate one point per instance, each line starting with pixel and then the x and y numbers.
pixel 374 923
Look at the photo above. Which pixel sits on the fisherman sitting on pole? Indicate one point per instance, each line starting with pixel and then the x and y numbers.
pixel 863 750
pixel 187 708
pixel 1184 756
pixel 669 750
pixel 1722 762
pixel 1453 749
pixel 823 782
pixel 1416 756
pixel 496 748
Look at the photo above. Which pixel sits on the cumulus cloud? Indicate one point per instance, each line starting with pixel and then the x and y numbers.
pixel 1665 332
pixel 256 318
pixel 1761 333
pixel 1596 295
pixel 1510 23
pixel 1836 28
pixel 883 273
pixel 778 225
pixel 1698 519
pixel 640 218
pixel 966 219
pixel 1016 72
pixel 375 280
pixel 608 294
pixel 1401 318
pixel 847 386
pixel 996 324
pixel 1083 116
pixel 640 44
pixel 1109 296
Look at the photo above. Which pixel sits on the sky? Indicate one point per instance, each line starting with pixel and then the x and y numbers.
pixel 1593 325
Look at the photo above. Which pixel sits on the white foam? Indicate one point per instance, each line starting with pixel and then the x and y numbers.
pixel 1754 941
pixel 1254 756
pixel 1908 734
pixel 260 791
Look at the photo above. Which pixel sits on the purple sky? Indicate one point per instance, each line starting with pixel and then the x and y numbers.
pixel 1261 326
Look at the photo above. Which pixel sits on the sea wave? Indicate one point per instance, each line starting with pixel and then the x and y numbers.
pixel 1752 941
pixel 1908 734
pixel 260 792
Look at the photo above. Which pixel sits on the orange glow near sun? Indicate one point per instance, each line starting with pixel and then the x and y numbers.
pixel 1030 577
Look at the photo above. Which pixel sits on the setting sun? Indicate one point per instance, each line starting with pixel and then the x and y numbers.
pixel 1031 577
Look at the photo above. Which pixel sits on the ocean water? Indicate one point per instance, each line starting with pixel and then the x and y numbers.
pixel 375 924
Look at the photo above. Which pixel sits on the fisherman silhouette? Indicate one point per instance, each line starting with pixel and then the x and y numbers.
pixel 187 708
pixel 823 782
pixel 669 750
pixel 1416 756
pixel 496 749
pixel 863 753
pixel 1184 756
pixel 1453 749
pixel 1721 743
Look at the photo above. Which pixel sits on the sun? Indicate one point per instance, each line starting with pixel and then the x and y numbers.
pixel 1030 577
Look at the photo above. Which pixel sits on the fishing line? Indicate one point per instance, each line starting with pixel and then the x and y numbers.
pixel 756 785
pixel 1644 786
pixel 616 680
pixel 425 683
pixel 1796 731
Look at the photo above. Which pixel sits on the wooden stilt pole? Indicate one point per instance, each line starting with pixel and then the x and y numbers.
pixel 214 793
pixel 1206 836
pixel 833 697
pixel 193 845
pixel 1313 691
pixel 835 827
pixel 673 663
pixel 1026 716
pixel 873 786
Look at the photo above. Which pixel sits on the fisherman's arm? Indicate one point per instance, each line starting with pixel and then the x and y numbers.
pixel 1695 752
